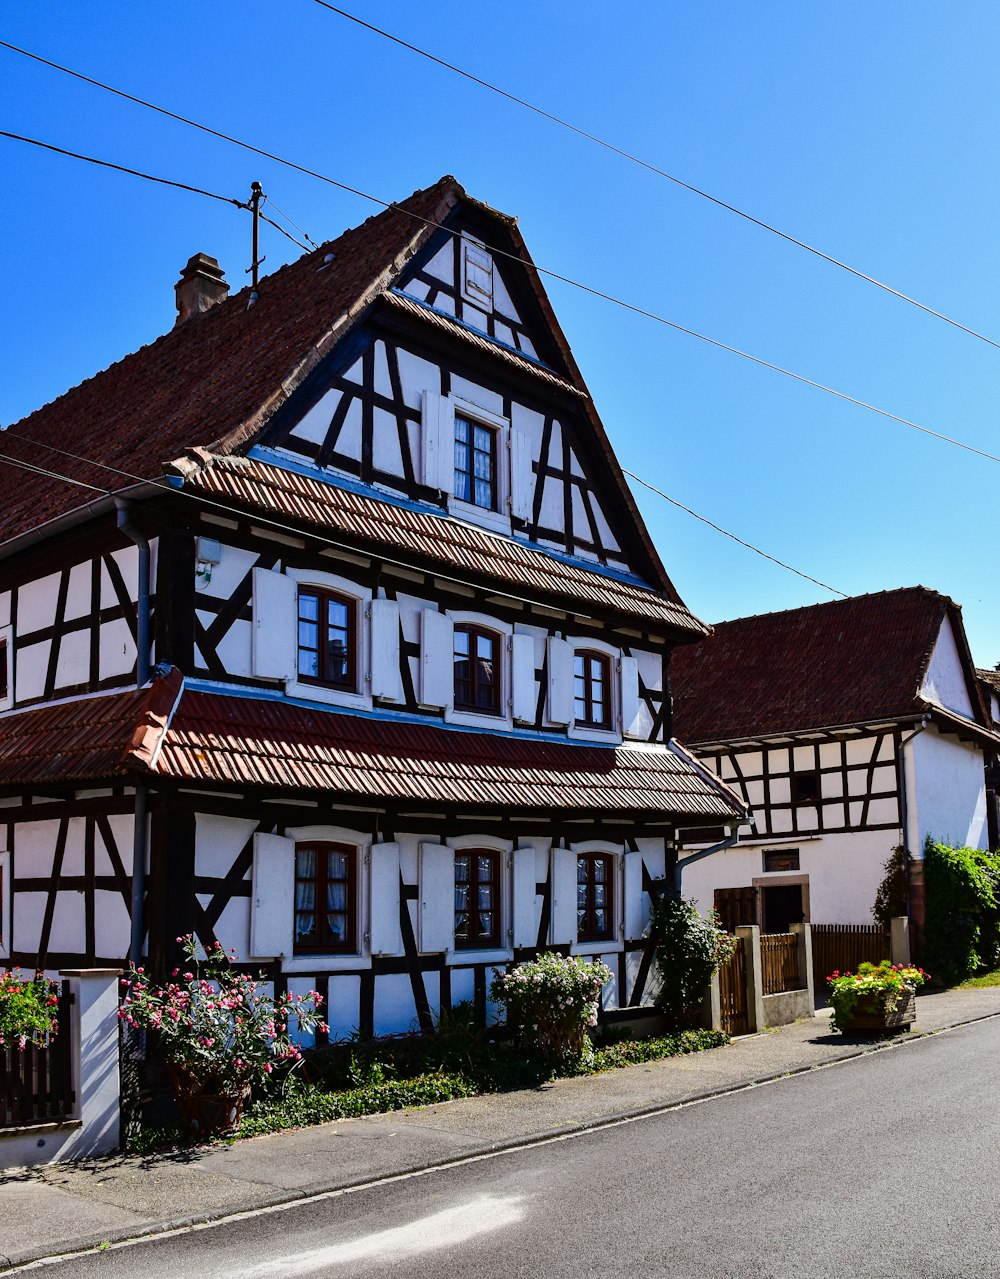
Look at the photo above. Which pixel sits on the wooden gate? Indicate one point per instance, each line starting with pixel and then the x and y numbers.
pixel 779 963
pixel 841 947
pixel 36 1084
pixel 733 991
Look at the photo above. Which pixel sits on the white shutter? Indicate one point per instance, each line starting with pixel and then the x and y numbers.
pixel 386 679
pixel 560 691
pixel 632 706
pixel 522 488
pixel 437 659
pixel 437 441
pixel 386 938
pixel 437 899
pixel 523 695
pixel 273 634
pixel 562 918
pixel 636 901
pixel 525 897
pixel 272 905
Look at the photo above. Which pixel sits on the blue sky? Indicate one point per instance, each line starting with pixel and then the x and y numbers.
pixel 866 130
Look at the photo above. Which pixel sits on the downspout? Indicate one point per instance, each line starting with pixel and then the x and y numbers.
pixel 681 862
pixel 904 812
pixel 139 840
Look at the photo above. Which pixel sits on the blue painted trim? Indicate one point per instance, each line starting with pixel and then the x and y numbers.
pixel 480 333
pixel 273 457
pixel 251 694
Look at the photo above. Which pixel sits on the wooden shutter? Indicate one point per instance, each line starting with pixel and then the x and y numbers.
pixel 437 659
pixel 436 898
pixel 560 690
pixel 437 441
pixel 523 698
pixel 272 904
pixel 386 678
pixel 636 902
pixel 273 635
pixel 386 937
pixel 562 926
pixel 522 486
pixel 525 897
pixel 632 705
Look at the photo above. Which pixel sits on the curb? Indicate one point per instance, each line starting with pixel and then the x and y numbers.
pixel 164 1227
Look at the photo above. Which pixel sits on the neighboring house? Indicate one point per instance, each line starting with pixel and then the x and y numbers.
pixel 849 728
pixel 990 681
pixel 409 718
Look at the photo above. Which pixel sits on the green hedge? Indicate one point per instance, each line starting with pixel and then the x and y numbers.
pixel 962 934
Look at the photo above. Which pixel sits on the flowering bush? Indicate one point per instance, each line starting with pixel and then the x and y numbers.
pixel 883 987
pixel 29 1009
pixel 550 1001
pixel 219 1029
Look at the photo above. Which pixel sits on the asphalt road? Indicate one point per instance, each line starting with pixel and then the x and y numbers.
pixel 888 1165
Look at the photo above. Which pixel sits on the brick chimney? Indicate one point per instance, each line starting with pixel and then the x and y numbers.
pixel 201 285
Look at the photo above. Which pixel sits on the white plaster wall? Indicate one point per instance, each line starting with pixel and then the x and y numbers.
pixel 949 804
pixel 844 872
pixel 945 679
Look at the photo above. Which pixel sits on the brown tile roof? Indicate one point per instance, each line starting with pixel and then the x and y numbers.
pixel 251 742
pixel 431 540
pixel 849 661
pixel 213 378
pixel 991 677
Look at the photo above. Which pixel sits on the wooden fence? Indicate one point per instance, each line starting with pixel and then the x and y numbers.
pixel 779 962
pixel 36 1084
pixel 841 947
pixel 733 991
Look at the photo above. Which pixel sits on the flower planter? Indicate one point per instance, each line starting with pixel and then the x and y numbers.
pixel 204 1112
pixel 869 1016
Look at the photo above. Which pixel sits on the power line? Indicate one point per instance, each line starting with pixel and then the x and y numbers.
pixel 655 169
pixel 546 271
pixel 305 235
pixel 726 533
pixel 288 528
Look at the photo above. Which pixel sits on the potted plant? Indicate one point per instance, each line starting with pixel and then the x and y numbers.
pixel 29 1010
pixel 877 999
pixel 551 1002
pixel 219 1030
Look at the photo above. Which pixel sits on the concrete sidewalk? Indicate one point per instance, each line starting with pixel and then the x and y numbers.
pixel 64 1208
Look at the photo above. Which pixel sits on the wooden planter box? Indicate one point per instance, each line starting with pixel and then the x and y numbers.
pixel 870 1018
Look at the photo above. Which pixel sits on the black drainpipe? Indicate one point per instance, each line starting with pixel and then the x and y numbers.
pixel 139 840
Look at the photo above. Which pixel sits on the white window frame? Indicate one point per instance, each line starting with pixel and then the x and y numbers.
pixel 6 915
pixel 500 954
pixel 616 942
pixel 335 963
pixel 588 732
pixel 498 520
pixel 7 637
pixel 362 595
pixel 475 719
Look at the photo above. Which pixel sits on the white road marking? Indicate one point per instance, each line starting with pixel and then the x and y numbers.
pixel 440 1230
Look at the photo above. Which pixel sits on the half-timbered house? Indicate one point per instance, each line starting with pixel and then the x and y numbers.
pixel 330 631
pixel 849 728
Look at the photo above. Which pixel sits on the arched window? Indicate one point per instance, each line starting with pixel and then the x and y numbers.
pixel 327 638
pixel 326 895
pixel 477 898
pixel 477 670
pixel 595 897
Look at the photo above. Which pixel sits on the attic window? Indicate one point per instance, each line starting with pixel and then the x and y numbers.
pixel 477 273
pixel 805 787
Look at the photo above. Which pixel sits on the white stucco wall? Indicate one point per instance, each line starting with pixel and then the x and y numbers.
pixel 945 679
pixel 947 799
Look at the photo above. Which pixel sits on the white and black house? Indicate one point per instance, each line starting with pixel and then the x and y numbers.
pixel 330 631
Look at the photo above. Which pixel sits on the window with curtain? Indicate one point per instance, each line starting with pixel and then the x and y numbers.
pixel 325 898
pixel 595 897
pixel 477 898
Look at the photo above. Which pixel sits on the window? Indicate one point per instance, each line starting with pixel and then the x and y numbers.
pixel 592 688
pixel 805 787
pixel 327 638
pixel 781 859
pixel 477 670
pixel 475 464
pixel 477 898
pixel 325 898
pixel 594 897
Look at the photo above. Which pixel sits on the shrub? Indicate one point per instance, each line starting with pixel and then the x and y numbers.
pixel 29 1009
pixel 963 910
pixel 884 985
pixel 550 1002
pixel 217 1028
pixel 890 900
pixel 689 949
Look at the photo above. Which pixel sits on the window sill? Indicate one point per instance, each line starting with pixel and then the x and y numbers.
pixel 466 958
pixel 469 513
pixel 310 692
pixel 292 964
pixel 596 947
pixel 478 719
